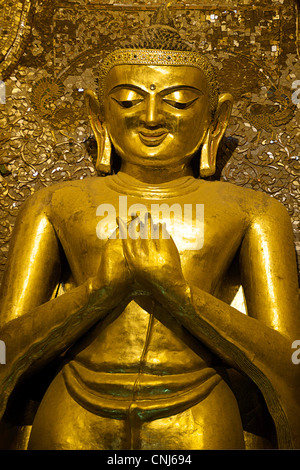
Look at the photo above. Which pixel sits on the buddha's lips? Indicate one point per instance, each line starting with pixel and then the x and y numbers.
pixel 152 138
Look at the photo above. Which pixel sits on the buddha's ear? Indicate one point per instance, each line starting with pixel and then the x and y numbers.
pixel 214 135
pixel 103 162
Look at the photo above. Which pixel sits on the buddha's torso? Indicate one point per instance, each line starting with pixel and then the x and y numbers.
pixel 227 213
pixel 135 357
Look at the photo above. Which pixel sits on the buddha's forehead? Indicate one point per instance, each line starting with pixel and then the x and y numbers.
pixel 163 77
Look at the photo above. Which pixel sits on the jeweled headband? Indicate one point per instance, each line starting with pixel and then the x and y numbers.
pixel 160 57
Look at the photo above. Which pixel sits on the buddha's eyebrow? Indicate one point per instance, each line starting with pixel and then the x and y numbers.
pixel 171 89
pixel 128 86
pixel 165 91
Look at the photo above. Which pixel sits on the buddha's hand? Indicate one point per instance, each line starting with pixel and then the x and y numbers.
pixel 113 277
pixel 153 260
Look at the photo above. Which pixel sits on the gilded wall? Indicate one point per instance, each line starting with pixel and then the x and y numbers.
pixel 51 50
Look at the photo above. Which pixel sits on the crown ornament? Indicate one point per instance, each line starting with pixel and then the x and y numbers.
pixel 159 44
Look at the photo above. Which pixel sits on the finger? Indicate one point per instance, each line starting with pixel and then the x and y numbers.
pixel 115 234
pixel 136 229
pixel 165 235
pixel 122 228
pixel 146 227
pixel 152 228
pixel 160 232
pixel 126 241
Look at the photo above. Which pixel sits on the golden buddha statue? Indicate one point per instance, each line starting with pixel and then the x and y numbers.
pixel 151 355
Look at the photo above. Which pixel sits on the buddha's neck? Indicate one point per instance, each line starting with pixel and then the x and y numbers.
pixel 155 175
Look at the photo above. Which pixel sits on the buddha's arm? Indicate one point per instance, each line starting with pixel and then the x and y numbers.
pixel 259 344
pixel 269 274
pixel 34 328
pixel 269 271
pixel 33 265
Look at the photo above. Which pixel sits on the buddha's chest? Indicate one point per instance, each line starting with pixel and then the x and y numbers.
pixel 207 233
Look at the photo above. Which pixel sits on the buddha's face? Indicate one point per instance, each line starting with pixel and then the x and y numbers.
pixel 156 116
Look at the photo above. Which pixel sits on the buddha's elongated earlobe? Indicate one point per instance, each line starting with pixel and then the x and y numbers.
pixel 214 135
pixel 103 162
pixel 208 157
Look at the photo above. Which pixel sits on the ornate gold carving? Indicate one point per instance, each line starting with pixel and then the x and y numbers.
pixel 268 116
pixel 44 94
pixel 15 20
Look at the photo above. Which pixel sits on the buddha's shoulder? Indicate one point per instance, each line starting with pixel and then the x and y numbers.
pixel 247 199
pixel 73 189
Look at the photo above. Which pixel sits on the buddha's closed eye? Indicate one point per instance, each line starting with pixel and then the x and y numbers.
pixel 174 104
pixel 179 99
pixel 179 104
pixel 128 103
pixel 127 98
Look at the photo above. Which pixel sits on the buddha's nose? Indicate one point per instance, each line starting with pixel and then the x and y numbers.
pixel 152 116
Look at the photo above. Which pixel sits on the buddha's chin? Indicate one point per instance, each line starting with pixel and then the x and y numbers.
pixel 161 156
pixel 146 162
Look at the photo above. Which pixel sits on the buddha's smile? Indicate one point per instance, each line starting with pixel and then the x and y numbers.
pixel 152 138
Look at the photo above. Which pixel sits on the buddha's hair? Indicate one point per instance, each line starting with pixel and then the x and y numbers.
pixel 159 37
pixel 160 34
